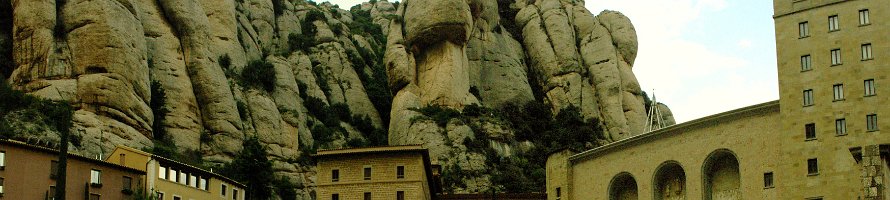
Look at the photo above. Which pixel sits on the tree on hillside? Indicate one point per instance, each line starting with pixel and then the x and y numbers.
pixel 253 168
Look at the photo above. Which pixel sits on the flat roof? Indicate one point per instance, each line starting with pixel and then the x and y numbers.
pixel 595 152
pixel 370 150
pixel 26 145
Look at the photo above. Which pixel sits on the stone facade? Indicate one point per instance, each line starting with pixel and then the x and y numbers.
pixel 838 175
pixel 341 173
pixel 822 144
pixel 685 161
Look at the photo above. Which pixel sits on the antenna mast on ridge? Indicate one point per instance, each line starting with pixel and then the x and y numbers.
pixel 653 118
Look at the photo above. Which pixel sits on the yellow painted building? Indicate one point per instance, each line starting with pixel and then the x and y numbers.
pixel 393 172
pixel 821 140
pixel 172 180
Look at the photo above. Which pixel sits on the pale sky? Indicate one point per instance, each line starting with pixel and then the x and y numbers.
pixel 701 57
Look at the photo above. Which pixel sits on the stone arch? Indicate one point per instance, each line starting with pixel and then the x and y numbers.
pixel 670 182
pixel 721 177
pixel 623 187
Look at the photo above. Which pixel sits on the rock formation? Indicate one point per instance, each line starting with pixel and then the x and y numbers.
pixel 341 77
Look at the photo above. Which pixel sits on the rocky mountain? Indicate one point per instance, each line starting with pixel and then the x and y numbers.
pixel 461 77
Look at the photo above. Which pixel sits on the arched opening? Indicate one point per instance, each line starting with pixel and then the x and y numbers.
pixel 670 182
pixel 721 176
pixel 623 187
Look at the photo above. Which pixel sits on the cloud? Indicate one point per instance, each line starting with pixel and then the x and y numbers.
pixel 745 43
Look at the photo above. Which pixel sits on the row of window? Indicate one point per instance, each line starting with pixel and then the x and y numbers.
pixel 181 177
pixel 812 170
pixel 840 126
pixel 833 23
pixel 838 92
pixel 806 61
pixel 400 195
pixel 160 195
pixel 335 173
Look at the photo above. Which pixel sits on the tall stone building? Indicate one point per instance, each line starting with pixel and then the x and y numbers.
pixel 821 140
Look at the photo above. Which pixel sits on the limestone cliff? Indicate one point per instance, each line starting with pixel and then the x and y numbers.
pixel 339 77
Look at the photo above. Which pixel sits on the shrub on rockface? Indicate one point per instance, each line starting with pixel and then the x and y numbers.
pixel 259 74
pixel 56 115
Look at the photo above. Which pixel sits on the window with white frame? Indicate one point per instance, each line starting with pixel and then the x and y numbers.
pixel 193 181
pixel 223 189
pixel 2 159
pixel 1 185
pixel 838 92
pixel 806 63
pixel 95 176
pixel 808 97
pixel 833 23
pixel 173 176
pixel 863 17
pixel 183 177
pixel 866 52
pixel 872 122
pixel 840 126
pixel 870 87
pixel 803 29
pixel 836 57
pixel 234 194
pixel 812 166
pixel 162 172
pixel 202 183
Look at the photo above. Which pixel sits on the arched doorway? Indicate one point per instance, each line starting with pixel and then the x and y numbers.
pixel 670 182
pixel 623 187
pixel 721 176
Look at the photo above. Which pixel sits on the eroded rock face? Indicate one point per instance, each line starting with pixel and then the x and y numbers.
pixel 451 53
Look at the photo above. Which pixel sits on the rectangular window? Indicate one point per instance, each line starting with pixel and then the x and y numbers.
pixel 173 175
pixel 234 194
pixel 812 167
pixel 367 196
pixel 810 131
pixel 866 52
pixel 870 87
pixel 836 57
pixel 1 185
pixel 223 189
pixel 558 193
pixel 177 198
pixel 94 196
pixel 400 172
pixel 838 92
pixel 335 175
pixel 193 181
pixel 335 196
pixel 400 195
pixel 2 159
pixel 872 122
pixel 205 184
pixel 95 176
pixel 804 29
pixel 53 169
pixel 367 173
pixel 162 172
pixel 127 183
pixel 833 23
pixel 863 17
pixel 202 184
pixel 52 192
pixel 808 97
pixel 183 178
pixel 840 126
pixel 123 159
pixel 768 180
pixel 806 63
pixel 160 195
